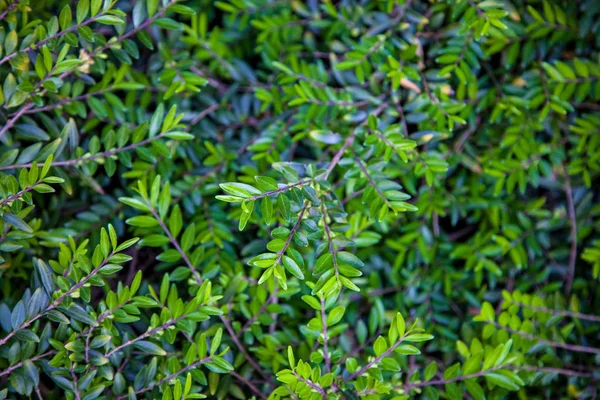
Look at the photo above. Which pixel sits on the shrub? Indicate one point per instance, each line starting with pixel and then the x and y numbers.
pixel 270 199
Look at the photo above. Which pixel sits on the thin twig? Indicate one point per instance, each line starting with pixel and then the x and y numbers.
pixel 20 364
pixel 51 37
pixel 175 244
pixel 376 360
pixel 565 346
pixel 325 345
pixel 93 54
pixel 573 223
pixel 572 314
pixel 441 382
pixel 169 377
pixel 9 9
pixel 87 158
pixel 248 383
pixel 58 301
pixel 146 334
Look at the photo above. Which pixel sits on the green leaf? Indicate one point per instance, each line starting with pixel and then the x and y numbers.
pixel 80 315
pixel 149 347
pixel 380 346
pixel 292 267
pixel 400 324
pixel 311 301
pixel 239 189
pixel 175 221
pixel 266 208
pixel 82 10
pixel 335 315
pixel 418 337
pixel 501 380
pixel 110 20
pixel 17 222
pixel 247 209
pixel 142 221
pixel 349 258
pixel 65 17
pixel 216 341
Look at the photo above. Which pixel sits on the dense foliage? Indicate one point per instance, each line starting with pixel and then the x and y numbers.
pixel 299 199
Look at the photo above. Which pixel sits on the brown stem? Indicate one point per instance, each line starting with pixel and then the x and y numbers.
pixel 441 382
pixel 249 384
pixel 371 181
pixel 338 156
pixel 241 347
pixel 567 313
pixel 109 44
pixel 75 383
pixel 280 190
pixel 175 244
pixel 9 9
pixel 58 301
pixel 312 385
pixel 18 195
pixel 273 295
pixel 376 360
pixel 145 335
pixel 67 100
pixel 325 345
pixel 87 158
pixel 565 346
pixel 203 114
pixel 349 141
pixel 52 37
pixel 332 249
pixel 476 7
pixel 573 223
pixel 20 364
pixel 169 377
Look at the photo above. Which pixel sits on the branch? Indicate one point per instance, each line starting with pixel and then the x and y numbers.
pixel 376 360
pixel 573 223
pixel 151 332
pixel 338 156
pixel 109 44
pixel 324 325
pixel 312 385
pixel 34 46
pixel 226 322
pixel 18 195
pixel 565 346
pixel 241 347
pixel 332 249
pixel 58 301
pixel 273 295
pixel 479 11
pixel 566 313
pixel 280 190
pixel 249 384
pixel 169 377
pixel 371 181
pixel 9 9
pixel 68 100
pixel 87 158
pixel 349 141
pixel 175 244
pixel 20 364
pixel 441 382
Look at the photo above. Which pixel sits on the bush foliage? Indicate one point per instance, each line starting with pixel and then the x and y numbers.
pixel 307 200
